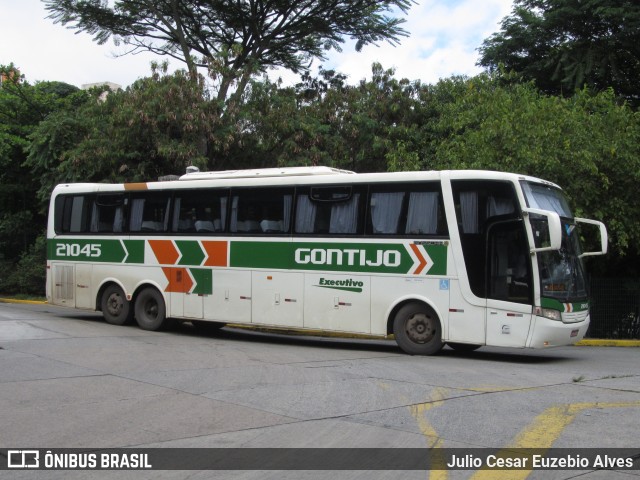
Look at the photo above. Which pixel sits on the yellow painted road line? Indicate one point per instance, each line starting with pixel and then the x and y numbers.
pixel 542 433
pixel 418 411
pixel 593 342
pixel 13 300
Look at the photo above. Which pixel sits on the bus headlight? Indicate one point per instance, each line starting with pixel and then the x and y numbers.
pixel 549 313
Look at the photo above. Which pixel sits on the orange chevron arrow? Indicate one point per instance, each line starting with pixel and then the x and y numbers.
pixel 179 280
pixel 421 259
pixel 216 253
pixel 165 251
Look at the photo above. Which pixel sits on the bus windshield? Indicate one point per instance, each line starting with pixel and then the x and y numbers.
pixel 562 274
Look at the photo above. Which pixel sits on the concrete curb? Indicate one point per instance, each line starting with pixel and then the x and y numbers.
pixel 587 342
pixel 29 302
pixel 607 342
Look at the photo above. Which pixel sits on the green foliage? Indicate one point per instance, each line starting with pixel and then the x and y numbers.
pixel 28 276
pixel 588 144
pixel 160 125
pixel 375 125
pixel 564 45
pixel 22 107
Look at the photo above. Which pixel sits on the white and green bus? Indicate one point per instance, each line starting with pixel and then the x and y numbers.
pixel 464 258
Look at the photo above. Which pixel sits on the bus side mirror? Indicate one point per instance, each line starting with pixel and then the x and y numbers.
pixel 603 236
pixel 548 239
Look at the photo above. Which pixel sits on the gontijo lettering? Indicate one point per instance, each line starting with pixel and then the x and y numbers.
pixel 347 256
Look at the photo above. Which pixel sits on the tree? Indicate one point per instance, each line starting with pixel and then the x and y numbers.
pixel 22 215
pixel 588 144
pixel 564 45
pixel 375 125
pixel 158 126
pixel 236 38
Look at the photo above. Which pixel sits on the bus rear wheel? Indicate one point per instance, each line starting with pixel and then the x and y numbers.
pixel 417 329
pixel 150 309
pixel 115 307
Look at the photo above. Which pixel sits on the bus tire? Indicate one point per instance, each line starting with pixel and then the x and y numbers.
pixel 150 309
pixel 115 307
pixel 417 329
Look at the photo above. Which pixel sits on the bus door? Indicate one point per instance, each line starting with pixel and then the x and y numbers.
pixel 497 288
pixel 466 322
pixel 509 283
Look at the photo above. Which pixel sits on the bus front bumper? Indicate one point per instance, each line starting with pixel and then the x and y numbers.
pixel 552 333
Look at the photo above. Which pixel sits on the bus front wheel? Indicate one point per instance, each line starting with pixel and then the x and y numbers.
pixel 115 307
pixel 417 329
pixel 150 309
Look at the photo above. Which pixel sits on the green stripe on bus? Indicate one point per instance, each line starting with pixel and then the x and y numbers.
pixel 135 248
pixel 96 250
pixel 337 257
pixel 564 307
pixel 204 280
pixel 191 251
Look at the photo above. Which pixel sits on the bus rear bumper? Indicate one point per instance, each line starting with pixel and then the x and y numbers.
pixel 552 333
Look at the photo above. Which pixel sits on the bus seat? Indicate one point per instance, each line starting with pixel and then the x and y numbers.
pixel 204 226
pixel 186 225
pixel 272 226
pixel 149 226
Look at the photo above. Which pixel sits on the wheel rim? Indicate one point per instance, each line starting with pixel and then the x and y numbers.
pixel 420 328
pixel 151 309
pixel 115 304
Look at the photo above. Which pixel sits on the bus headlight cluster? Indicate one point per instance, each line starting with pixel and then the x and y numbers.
pixel 549 313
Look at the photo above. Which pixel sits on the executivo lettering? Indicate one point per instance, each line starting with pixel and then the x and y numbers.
pixel 348 285
pixel 348 256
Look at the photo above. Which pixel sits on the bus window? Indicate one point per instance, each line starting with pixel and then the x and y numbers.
pixel 386 209
pixel 72 213
pixel 479 204
pixel 406 210
pixel 258 211
pixel 509 272
pixel 329 210
pixel 107 214
pixel 199 211
pixel 149 212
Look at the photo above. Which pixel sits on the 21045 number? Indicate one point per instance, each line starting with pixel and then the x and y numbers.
pixel 91 250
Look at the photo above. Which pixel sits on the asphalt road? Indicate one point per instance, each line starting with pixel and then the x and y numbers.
pixel 68 379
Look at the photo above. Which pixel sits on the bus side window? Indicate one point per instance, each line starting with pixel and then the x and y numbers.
pixel 261 211
pixel 330 210
pixel 107 214
pixel 411 209
pixel 150 212
pixel 508 270
pixel 386 209
pixel 199 211
pixel 72 213
pixel 479 204
pixel 423 214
